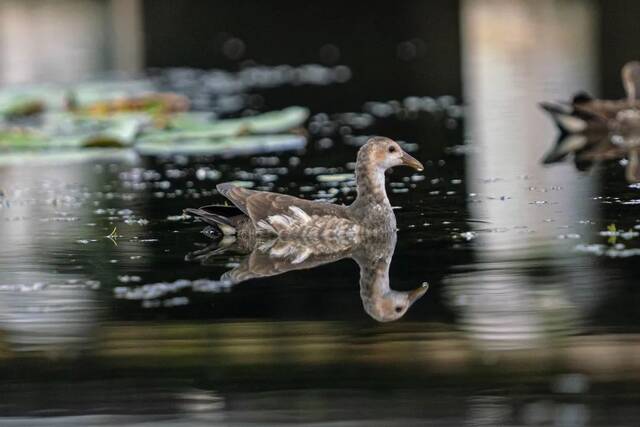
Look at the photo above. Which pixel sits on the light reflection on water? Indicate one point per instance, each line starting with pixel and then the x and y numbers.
pixel 509 299
pixel 517 328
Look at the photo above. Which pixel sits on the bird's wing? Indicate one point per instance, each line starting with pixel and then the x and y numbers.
pixel 261 205
pixel 280 258
pixel 603 109
pixel 237 195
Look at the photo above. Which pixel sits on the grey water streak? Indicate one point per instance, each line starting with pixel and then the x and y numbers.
pixel 271 257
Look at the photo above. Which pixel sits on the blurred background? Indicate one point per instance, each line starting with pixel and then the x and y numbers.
pixel 531 314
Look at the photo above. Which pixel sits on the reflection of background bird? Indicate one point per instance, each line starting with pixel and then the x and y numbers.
pixel 590 149
pixel 277 256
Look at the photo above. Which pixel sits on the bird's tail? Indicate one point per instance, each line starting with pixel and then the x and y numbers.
pixel 568 120
pixel 221 222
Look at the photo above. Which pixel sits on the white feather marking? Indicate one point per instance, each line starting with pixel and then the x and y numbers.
pixel 264 225
pixel 570 123
pixel 302 255
pixel 266 245
pixel 282 250
pixel 227 230
pixel 280 222
pixel 300 214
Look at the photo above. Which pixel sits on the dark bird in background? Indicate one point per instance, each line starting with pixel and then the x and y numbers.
pixel 585 114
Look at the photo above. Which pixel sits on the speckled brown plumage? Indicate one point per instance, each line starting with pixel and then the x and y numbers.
pixel 275 255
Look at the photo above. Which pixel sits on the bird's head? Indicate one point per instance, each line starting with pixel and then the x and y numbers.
pixel 393 304
pixel 385 153
pixel 631 79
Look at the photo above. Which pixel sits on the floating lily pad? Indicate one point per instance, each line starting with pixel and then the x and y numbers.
pixel 186 127
pixel 65 130
pixel 129 113
pixel 119 130
pixel 26 100
pixel 227 146
pixel 336 177
pixel 79 155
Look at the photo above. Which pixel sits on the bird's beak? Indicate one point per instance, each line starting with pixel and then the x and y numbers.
pixel 411 161
pixel 417 293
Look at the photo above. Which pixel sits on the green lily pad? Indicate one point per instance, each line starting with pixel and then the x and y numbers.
pixel 229 146
pixel 67 130
pixel 25 100
pixel 185 126
pixel 66 156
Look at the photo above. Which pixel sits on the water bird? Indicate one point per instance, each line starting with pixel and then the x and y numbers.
pixel 585 114
pixel 266 255
pixel 290 217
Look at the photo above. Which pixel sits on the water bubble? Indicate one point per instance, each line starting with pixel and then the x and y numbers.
pixel 233 48
pixel 406 51
pixel 329 54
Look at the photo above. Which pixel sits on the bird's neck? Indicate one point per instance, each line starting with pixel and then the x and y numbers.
pixel 370 186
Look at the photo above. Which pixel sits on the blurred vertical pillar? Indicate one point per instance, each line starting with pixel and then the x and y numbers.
pixel 515 54
pixel 126 27
pixel 67 40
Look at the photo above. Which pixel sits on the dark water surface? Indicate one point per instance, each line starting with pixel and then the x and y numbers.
pixel 530 317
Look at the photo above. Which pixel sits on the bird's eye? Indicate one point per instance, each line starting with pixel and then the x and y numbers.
pixel 398 309
pixel 392 149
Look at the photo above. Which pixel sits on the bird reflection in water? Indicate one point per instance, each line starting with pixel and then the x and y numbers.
pixel 271 257
pixel 591 149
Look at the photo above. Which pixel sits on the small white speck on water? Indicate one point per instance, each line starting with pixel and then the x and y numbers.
pixel 468 235
pixel 294 161
pixel 129 278
pixel 207 173
pixel 569 236
pixel 586 222
pixel 178 217
pixel 337 177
